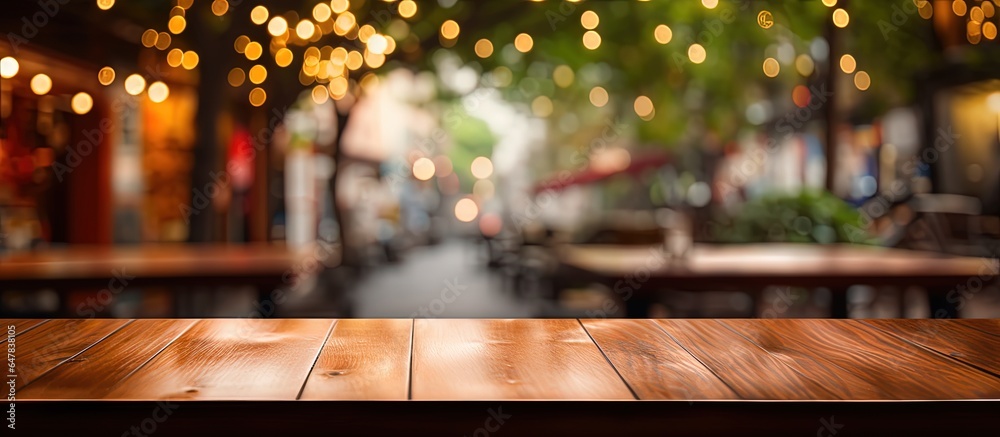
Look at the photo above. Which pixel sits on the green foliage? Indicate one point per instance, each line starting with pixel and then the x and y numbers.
pixel 808 217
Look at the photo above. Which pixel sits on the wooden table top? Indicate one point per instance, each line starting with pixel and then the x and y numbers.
pixel 792 263
pixel 77 264
pixel 550 359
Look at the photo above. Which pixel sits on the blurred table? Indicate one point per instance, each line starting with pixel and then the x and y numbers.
pixel 264 266
pixel 836 267
pixel 292 375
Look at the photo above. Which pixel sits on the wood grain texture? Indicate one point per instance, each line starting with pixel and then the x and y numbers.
pixel 989 326
pixel 749 370
pixel 653 364
pixel 53 343
pixel 96 371
pixel 20 326
pixel 363 359
pixel 248 359
pixel 510 359
pixel 952 338
pixel 902 369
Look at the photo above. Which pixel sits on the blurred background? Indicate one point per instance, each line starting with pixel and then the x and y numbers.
pixel 436 158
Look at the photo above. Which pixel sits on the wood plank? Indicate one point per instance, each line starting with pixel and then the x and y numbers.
pixel 653 364
pixel 51 344
pixel 811 361
pixel 904 370
pixel 749 370
pixel 989 326
pixel 96 371
pixel 247 359
pixel 510 359
pixel 363 359
pixel 952 338
pixel 20 326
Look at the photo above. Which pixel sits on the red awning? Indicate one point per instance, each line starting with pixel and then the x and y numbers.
pixel 638 164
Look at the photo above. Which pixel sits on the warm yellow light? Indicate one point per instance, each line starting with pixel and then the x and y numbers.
pixel 41 84
pixel 449 29
pixel 591 40
pixel 484 48
pixel 407 8
pixel 993 101
pixel 175 57
pixel 959 7
pixel 163 40
pixel 320 95
pixel 345 22
pixel 354 60
pixel 8 67
pixel 176 24
pixel 423 169
pixel 277 26
pixel 241 43
pixel 563 76
pixel 106 76
pixel 862 80
pixel 541 106
pixel 322 12
pixel 257 96
pixel 283 57
pixel 105 4
pixel 185 4
pixel 258 74
pixel 189 60
pixel 220 7
pixel 81 103
pixel 365 32
pixel 236 77
pixel 590 20
pixel 598 96
pixel 697 53
pixel 377 44
pixel 523 43
pixel 305 29
pixel 259 14
pixel 710 4
pixel 148 38
pixel 482 167
pixel 158 92
pixel 466 210
pixel 848 64
pixel 339 6
pixel 134 84
pixel 804 65
pixel 643 107
pixel 976 14
pixel 841 18
pixel 253 51
pixel 829 3
pixel 374 60
pixel 338 86
pixel 771 67
pixel 663 34
pixel 989 29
